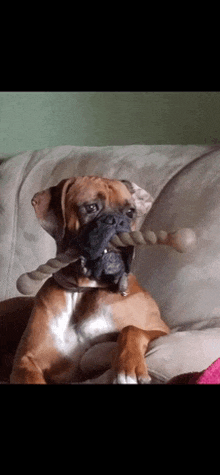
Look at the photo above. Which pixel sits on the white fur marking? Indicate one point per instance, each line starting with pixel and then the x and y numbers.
pixel 64 334
pixel 122 378
pixel 71 339
pixel 101 323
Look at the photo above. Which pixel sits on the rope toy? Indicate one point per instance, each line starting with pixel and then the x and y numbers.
pixel 183 240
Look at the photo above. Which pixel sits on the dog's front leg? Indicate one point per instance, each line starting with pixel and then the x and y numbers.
pixel 129 364
pixel 37 355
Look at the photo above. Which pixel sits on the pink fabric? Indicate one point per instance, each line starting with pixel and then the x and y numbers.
pixel 211 375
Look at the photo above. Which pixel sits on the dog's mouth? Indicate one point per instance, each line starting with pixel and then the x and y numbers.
pixel 110 266
pixel 95 236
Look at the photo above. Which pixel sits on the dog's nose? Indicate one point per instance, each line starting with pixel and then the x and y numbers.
pixel 110 219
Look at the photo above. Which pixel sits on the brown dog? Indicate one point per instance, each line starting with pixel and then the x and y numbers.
pixel 86 302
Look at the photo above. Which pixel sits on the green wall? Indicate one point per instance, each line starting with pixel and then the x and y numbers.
pixel 35 120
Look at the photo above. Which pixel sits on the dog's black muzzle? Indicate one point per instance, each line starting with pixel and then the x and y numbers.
pixel 104 264
pixel 95 236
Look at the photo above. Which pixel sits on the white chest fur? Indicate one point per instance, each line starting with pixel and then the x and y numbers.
pixel 72 339
pixel 98 326
pixel 63 333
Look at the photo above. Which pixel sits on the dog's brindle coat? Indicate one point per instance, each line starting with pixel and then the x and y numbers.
pixel 81 304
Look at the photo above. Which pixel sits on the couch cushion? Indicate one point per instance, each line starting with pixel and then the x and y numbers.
pixel 182 352
pixel 186 286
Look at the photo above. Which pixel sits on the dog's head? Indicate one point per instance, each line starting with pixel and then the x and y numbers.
pixel 82 214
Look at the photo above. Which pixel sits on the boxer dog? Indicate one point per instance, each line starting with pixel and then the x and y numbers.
pixel 88 302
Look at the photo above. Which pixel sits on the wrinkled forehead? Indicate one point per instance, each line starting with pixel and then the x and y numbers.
pixel 86 189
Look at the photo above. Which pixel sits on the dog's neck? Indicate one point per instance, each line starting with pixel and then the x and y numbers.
pixel 71 278
pixel 74 284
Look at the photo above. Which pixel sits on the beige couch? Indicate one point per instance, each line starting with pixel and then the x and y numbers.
pixel 184 182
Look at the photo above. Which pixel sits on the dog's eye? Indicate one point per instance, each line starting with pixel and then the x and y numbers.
pixel 130 213
pixel 91 208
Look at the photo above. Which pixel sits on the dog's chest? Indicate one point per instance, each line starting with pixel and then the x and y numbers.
pixel 72 338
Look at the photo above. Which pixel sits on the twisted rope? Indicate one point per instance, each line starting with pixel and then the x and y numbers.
pixel 183 240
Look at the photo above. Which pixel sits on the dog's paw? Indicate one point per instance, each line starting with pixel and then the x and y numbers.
pixel 122 378
pixel 130 369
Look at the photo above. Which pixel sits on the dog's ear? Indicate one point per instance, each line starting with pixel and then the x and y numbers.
pixel 142 200
pixel 49 206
